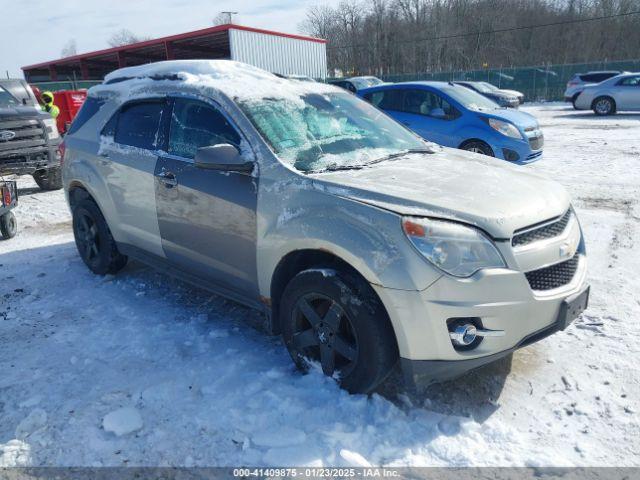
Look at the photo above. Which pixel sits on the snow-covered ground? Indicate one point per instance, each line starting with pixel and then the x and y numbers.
pixel 139 369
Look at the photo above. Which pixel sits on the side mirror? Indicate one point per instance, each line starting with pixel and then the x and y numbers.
pixel 437 113
pixel 224 157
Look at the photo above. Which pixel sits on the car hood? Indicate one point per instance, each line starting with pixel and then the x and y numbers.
pixel 22 112
pixel 452 184
pixel 518 118
pixel 511 93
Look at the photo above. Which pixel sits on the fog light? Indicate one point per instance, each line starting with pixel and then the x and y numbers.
pixel 510 155
pixel 463 335
pixel 467 333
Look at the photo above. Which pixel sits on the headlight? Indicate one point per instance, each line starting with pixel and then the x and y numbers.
pixel 504 128
pixel 456 249
pixel 52 128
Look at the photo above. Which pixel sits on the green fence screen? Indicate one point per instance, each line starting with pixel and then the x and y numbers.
pixel 546 82
pixel 66 85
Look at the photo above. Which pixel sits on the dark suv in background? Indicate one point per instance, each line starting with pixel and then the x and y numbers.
pixel 29 138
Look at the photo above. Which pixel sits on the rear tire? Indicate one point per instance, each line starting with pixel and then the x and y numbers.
pixel 49 179
pixel 603 106
pixel 478 146
pixel 336 319
pixel 8 225
pixel 94 241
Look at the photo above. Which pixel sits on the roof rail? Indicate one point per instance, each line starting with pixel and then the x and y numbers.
pixel 172 77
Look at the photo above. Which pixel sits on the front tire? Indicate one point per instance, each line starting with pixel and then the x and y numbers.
pixel 96 246
pixel 334 318
pixel 603 106
pixel 8 225
pixel 478 146
pixel 49 179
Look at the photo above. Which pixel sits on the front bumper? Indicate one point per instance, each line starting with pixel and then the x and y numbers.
pixel 501 299
pixel 516 151
pixel 421 373
pixel 27 161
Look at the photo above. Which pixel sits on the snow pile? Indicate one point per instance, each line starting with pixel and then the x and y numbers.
pixel 123 421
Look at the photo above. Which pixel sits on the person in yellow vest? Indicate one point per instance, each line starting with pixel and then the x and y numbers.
pixel 48 106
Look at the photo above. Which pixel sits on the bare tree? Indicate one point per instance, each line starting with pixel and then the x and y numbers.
pixel 125 37
pixel 406 37
pixel 70 49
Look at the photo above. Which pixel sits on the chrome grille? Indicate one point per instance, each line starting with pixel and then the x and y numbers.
pixel 547 230
pixel 555 276
pixel 536 143
pixel 26 134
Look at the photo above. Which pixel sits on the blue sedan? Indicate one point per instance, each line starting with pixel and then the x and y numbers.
pixel 455 116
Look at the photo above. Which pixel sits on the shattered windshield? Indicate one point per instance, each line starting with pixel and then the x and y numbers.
pixel 328 131
pixel 7 100
pixel 470 99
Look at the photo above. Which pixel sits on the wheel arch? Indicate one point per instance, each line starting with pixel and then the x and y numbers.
pixel 605 95
pixel 299 260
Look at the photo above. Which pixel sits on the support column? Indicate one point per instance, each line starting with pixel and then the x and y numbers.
pixel 168 50
pixel 84 70
pixel 53 75
pixel 122 61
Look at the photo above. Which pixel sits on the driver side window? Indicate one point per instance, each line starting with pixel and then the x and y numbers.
pixel 630 82
pixel 429 104
pixel 195 124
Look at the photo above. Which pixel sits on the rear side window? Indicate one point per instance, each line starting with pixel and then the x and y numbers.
pixel 385 99
pixel 138 125
pixel 89 108
pixel 596 77
pixel 195 124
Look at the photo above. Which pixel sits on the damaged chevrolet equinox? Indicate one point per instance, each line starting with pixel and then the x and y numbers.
pixel 365 246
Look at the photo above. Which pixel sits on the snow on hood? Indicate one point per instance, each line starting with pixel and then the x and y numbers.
pixel 234 79
pixel 491 194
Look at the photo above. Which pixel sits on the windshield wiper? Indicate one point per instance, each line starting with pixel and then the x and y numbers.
pixel 336 168
pixel 402 153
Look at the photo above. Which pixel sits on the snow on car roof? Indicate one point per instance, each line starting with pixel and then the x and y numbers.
pixel 235 79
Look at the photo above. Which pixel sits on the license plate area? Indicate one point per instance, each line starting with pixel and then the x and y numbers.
pixel 572 307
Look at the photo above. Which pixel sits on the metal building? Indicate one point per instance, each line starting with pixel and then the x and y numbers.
pixel 274 51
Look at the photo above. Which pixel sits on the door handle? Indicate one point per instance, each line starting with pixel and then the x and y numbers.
pixel 168 178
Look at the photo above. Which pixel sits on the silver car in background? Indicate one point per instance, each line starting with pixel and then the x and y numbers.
pixel 581 80
pixel 361 243
pixel 619 93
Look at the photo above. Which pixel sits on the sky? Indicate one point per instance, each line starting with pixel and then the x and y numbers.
pixel 35 31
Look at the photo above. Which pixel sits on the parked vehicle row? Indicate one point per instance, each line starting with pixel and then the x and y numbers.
pixel 364 245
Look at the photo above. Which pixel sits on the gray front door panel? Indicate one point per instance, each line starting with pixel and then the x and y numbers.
pixel 207 221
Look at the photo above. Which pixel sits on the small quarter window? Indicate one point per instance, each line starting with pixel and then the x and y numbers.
pixel 89 108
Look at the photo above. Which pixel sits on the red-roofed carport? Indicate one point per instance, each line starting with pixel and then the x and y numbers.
pixel 274 51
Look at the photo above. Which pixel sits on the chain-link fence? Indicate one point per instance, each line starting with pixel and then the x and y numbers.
pixel 66 85
pixel 546 82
